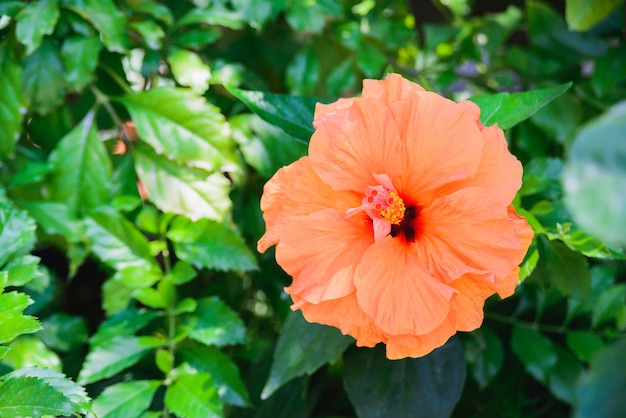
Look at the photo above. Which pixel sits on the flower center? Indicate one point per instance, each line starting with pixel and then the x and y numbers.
pixel 394 213
pixel 383 205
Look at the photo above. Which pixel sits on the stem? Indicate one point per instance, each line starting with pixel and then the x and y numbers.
pixel 171 320
pixel 121 82
pixel 534 325
pixel 103 99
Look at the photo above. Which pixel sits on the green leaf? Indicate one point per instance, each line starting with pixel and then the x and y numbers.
pixel 568 269
pixel 34 21
pixel 55 218
pixel 182 126
pixel 116 241
pixel 595 176
pixel 265 147
pixel 37 392
pixel 306 16
pixel 600 391
pixel 584 344
pixel 214 14
pixel 214 323
pixel 189 70
pixel 255 12
pixel 105 17
pixel 586 244
pixel 31 352
pixel 29 396
pixel 509 109
pixel 17 230
pixel 193 396
pixel 82 168
pixel 64 332
pixel 158 11
pixel 44 78
pixel 124 323
pixel 431 385
pixel 21 270
pixel 292 114
pixel 535 351
pixel 182 273
pixel 302 348
pixel 303 71
pixel 11 100
pixel 182 190
pixel 80 58
pixel 371 60
pixel 108 357
pixel 222 370
pixel 584 14
pixel 211 245
pixel 12 322
pixel 564 376
pixel 484 354
pixel 150 31
pixel 608 304
pixel 126 399
pixel 138 277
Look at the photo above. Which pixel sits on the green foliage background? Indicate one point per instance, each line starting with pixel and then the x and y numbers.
pixel 135 140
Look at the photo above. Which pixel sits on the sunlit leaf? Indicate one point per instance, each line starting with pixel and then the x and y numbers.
pixel 11 101
pixel 431 385
pixel 194 395
pixel 584 14
pixel 211 245
pixel 182 190
pixel 37 392
pixel 182 126
pixel 214 323
pixel 116 241
pixel 189 70
pixel 17 230
pixel 81 168
pixel 126 399
pixel 107 18
pixel 34 21
pixel 302 348
pixel 12 321
pixel 29 351
pixel 222 370
pixel 509 109
pixel 303 72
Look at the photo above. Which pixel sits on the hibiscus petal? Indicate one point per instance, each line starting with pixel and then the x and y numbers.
pixel 469 302
pixel 467 229
pixel 392 89
pixel 499 172
pixel 398 293
pixel 401 346
pixel 353 144
pixel 296 190
pixel 442 145
pixel 345 314
pixel 322 110
pixel 321 252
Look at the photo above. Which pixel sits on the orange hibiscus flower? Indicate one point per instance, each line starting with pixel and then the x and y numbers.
pixel 398 224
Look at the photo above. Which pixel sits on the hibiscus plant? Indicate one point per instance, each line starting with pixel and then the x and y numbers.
pixel 321 208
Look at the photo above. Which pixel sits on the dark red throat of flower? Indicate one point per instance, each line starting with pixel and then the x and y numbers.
pixel 408 228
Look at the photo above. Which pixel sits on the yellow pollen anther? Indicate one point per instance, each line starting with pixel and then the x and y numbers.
pixel 394 213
